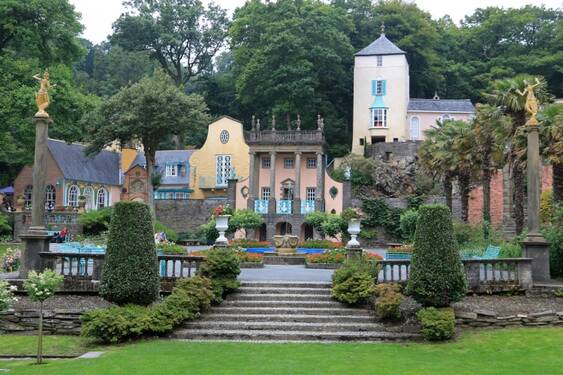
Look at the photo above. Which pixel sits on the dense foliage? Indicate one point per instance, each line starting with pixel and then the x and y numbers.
pixel 117 324
pixel 130 272
pixel 436 277
pixel 408 224
pixel 554 235
pixel 171 235
pixel 222 266
pixel 380 215
pixel 95 222
pixel 5 227
pixel 437 324
pixel 388 301
pixel 354 282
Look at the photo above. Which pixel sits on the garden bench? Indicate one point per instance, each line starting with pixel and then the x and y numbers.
pixel 398 256
pixel 492 252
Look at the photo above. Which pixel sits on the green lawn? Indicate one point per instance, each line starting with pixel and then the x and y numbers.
pixel 511 351
pixel 52 345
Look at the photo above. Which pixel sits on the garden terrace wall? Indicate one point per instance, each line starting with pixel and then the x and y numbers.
pixel 186 215
pixel 481 318
pixel 59 321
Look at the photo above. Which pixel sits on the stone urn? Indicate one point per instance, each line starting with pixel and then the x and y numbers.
pixel 222 224
pixel 353 230
pixel 286 244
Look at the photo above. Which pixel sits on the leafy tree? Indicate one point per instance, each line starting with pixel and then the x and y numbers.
pixel 147 112
pixel 245 219
pixel 182 35
pixel 551 136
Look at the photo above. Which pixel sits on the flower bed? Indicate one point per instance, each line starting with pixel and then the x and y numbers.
pixel 320 244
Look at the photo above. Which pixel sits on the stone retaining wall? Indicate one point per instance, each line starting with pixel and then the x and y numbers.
pixel 61 322
pixel 483 318
pixel 186 215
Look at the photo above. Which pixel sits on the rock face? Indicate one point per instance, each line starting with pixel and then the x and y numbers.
pixel 395 177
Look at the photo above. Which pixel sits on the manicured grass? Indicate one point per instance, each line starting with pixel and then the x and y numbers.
pixel 52 345
pixel 510 351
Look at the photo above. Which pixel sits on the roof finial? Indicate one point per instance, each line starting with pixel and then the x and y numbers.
pixel 382 27
pixel 436 97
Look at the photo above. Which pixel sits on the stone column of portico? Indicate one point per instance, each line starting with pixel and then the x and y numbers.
pixel 272 201
pixel 535 245
pixel 319 203
pixel 36 239
pixel 251 181
pixel 297 188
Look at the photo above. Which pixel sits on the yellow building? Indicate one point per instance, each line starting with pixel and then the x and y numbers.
pixel 223 156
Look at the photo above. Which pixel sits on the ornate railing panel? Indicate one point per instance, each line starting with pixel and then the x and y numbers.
pixel 285 137
pixel 307 206
pixel 179 266
pixel 261 206
pixel 284 207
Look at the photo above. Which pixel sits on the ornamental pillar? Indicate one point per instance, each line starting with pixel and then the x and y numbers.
pixel 297 187
pixel 319 204
pixel 272 202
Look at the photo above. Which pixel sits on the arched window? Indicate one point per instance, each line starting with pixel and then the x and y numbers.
pixel 102 198
pixel 50 196
pixel 27 195
pixel 415 128
pixel 89 194
pixel 72 196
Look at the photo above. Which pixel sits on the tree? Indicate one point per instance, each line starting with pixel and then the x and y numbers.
pixel 147 112
pixel 181 35
pixel 436 277
pixel 489 148
pixel 130 272
pixel 504 93
pixel 551 132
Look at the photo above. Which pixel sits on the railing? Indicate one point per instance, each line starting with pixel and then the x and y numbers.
pixel 307 206
pixel 54 218
pixel 261 206
pixel 89 266
pixel 284 207
pixel 482 275
pixel 285 137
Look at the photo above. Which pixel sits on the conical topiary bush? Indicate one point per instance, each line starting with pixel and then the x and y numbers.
pixel 130 273
pixel 436 277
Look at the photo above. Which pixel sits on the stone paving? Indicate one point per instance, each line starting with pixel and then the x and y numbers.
pixel 285 273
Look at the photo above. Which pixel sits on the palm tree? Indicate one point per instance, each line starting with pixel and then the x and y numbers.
pixel 551 135
pixel 488 148
pixel 504 93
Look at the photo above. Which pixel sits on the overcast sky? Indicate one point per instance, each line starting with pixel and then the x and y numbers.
pixel 98 15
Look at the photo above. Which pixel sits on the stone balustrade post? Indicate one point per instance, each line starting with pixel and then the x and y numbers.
pixel 473 275
pixel 525 274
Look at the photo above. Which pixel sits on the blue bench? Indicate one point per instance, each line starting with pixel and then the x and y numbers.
pixel 398 256
pixel 491 252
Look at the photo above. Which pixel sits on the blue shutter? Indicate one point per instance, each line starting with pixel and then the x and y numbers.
pixel 373 85
pixel 384 87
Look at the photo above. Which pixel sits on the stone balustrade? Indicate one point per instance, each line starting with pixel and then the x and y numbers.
pixel 284 137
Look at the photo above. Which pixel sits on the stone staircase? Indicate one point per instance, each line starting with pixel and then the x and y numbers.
pixel 287 311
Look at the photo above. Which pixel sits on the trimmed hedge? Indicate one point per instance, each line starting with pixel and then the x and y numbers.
pixel 388 302
pixel 354 282
pixel 117 324
pixel 222 266
pixel 437 324
pixel 130 272
pixel 437 277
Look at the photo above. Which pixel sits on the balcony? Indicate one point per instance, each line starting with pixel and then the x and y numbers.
pixel 286 137
pixel 307 206
pixel 284 207
pixel 261 206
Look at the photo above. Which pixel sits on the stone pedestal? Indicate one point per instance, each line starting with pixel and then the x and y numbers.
pixel 353 253
pixel 33 245
pixel 537 248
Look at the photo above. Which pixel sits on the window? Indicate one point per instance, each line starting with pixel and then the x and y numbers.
pixel 388 155
pixel 72 199
pixel 89 194
pixel 378 87
pixel 361 141
pixel 171 170
pixel 223 170
pixel 378 118
pixel 445 117
pixel 50 196
pixel 415 128
pixel 379 60
pixel 28 195
pixel 311 163
pixel 288 163
pixel 266 163
pixel 265 193
pixel 311 193
pixel 102 198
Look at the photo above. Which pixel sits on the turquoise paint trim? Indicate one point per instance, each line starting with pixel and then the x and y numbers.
pixel 378 102
pixel 384 87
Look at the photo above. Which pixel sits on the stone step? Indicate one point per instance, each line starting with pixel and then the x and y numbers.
pixel 284 326
pixel 273 290
pixel 286 284
pixel 289 310
pixel 265 335
pixel 282 303
pixel 298 318
pixel 273 296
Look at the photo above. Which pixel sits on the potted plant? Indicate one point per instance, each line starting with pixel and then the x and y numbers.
pixel 222 215
pixel 82 201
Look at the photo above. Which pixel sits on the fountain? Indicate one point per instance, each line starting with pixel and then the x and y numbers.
pixel 286 244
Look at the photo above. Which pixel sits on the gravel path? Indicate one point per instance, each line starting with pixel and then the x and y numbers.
pixel 285 273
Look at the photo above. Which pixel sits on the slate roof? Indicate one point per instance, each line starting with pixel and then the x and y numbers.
pixel 103 168
pixel 441 105
pixel 381 46
pixel 168 157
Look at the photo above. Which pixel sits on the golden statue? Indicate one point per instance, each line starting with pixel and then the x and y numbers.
pixel 531 101
pixel 42 96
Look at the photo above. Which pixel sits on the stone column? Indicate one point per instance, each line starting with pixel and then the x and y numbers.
pixel 272 202
pixel 36 239
pixel 252 178
pixel 535 245
pixel 297 188
pixel 320 183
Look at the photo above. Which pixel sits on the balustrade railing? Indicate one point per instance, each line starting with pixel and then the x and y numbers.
pixel 284 207
pixel 261 206
pixel 307 206
pixel 179 266
pixel 285 137
pixel 482 275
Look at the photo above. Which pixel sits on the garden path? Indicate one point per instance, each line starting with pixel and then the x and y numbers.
pixel 285 273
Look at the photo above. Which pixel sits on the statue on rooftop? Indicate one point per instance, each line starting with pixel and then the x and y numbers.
pixel 42 96
pixel 531 101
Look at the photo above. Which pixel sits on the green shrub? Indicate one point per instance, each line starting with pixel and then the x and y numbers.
pixel 316 219
pixel 437 324
pixel 222 266
pixel 547 208
pixel 368 234
pixel 554 235
pixel 382 289
pixel 171 235
pixel 437 277
pixel 380 215
pixel 117 324
pixel 357 169
pixel 5 227
pixel 467 233
pixel 388 306
pixel 408 224
pixel 95 222
pixel 170 248
pixel 245 219
pixel 130 272
pixel 354 282
pixel 510 250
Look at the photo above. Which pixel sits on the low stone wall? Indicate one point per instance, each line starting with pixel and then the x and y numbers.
pixel 484 318
pixel 60 321
pixel 186 215
pixel 323 266
pixel 252 265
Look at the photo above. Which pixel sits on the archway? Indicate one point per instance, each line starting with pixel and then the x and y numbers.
pixel 307 232
pixel 283 228
pixel 262 233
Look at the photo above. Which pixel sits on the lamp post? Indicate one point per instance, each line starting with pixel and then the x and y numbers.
pixel 353 249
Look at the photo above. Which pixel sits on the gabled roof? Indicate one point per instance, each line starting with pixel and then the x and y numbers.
pixel 169 157
pixel 381 46
pixel 441 105
pixel 102 168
